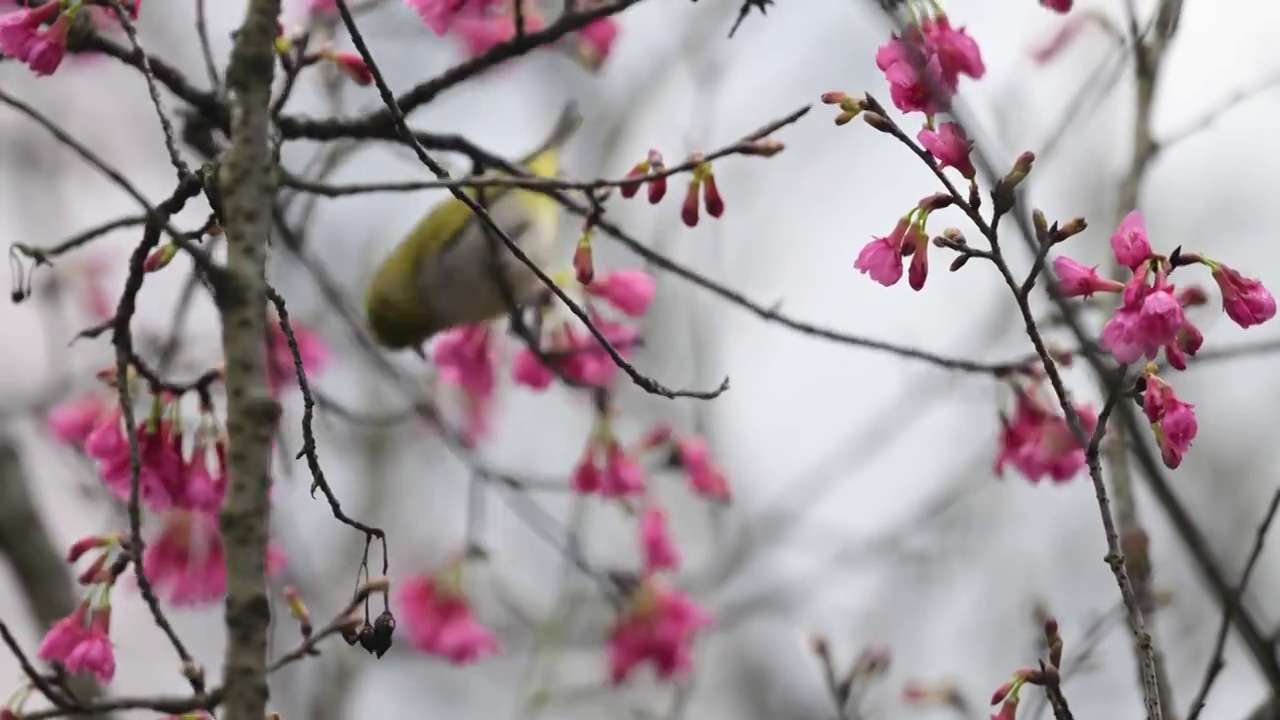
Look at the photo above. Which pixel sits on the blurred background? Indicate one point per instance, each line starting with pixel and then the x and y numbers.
pixel 865 508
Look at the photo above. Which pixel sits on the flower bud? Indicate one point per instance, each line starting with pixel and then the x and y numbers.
pixel 96 572
pixel 711 196
pixel 160 257
pixel 583 263
pixel 689 210
pixel 629 190
pixel 878 121
pixel 936 201
pixel 834 97
pixel 764 147
pixel 1003 196
pixel 283 43
pixel 657 186
pixel 1075 226
pixel 351 65
pixel 1041 224
pixel 84 545
pixel 298 609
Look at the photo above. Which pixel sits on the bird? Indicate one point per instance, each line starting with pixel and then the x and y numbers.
pixel 450 270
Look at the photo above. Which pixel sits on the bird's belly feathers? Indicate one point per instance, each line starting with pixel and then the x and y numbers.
pixel 478 278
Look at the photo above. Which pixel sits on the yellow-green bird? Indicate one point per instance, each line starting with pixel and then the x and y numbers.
pixel 443 275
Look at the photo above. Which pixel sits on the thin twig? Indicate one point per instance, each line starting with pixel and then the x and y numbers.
pixel 1216 661
pixel 206 49
pixel 171 145
pixel 122 339
pixel 308 434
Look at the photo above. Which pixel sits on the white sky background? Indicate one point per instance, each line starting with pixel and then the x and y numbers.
pixel 839 457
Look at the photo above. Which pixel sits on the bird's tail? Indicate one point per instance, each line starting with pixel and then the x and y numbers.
pixel 566 125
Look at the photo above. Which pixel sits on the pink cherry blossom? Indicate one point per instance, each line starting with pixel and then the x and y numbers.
pixel 658 628
pixel 958 53
pixel 623 476
pixel 909 89
pixel 161 476
pixel 186 563
pixel 439 15
pixel 1149 318
pixel 630 291
pixel 595 40
pixel 81 642
pixel 46 53
pixel 203 486
pixel 466 360
pixel 479 35
pixel 1244 299
pixel 94 654
pixel 72 421
pixel 1059 6
pixel 438 621
pixel 1172 419
pixel 577 354
pixel 1186 343
pixel 586 476
pixel 660 553
pixel 704 477
pixel 620 475
pixel 1130 243
pixel 1076 280
pixel 65 634
pixel 528 370
pixel 1039 443
pixel 281 369
pixel 950 147
pixel 881 259
pixel 20 29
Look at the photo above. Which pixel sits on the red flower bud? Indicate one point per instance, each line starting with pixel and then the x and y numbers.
pixel 353 66
pixel 835 97
pixel 689 210
pixel 629 190
pixel 711 196
pixel 84 545
pixel 657 186
pixel 95 573
pixel 160 257
pixel 583 264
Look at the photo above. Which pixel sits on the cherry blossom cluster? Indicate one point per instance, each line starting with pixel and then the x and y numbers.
pixel 181 481
pixel 467 357
pixel 483 24
pixel 923 67
pixel 37 36
pixel 1152 317
pixel 658 623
